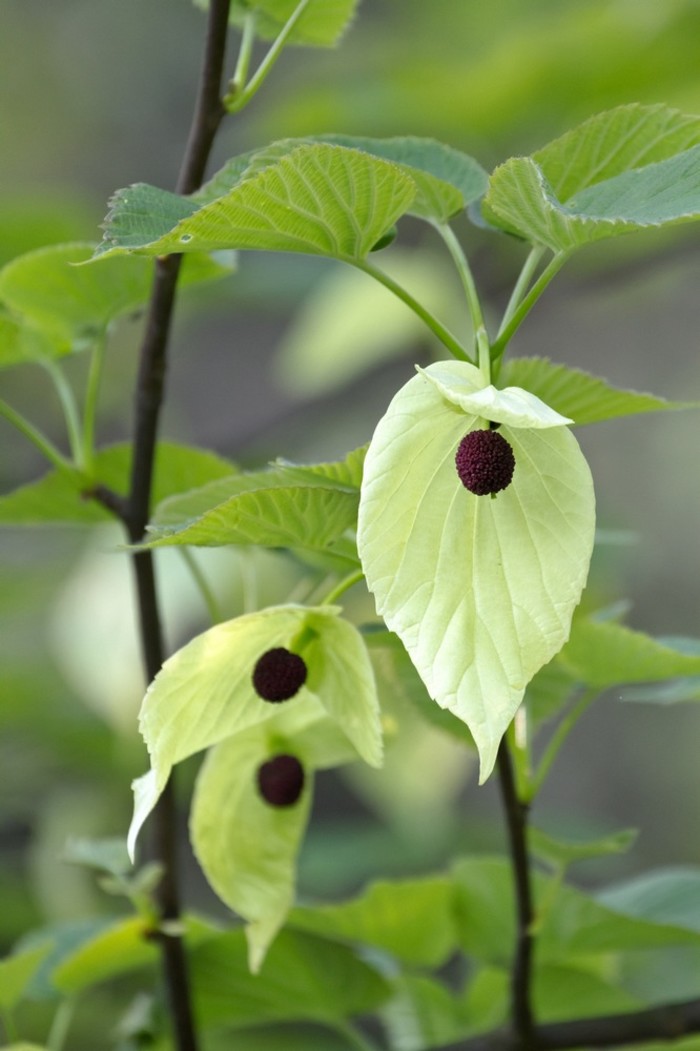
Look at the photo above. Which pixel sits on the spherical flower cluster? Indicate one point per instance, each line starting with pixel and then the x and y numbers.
pixel 485 462
pixel 281 780
pixel 279 675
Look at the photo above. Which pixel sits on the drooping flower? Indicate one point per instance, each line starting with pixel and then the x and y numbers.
pixel 253 792
pixel 480 592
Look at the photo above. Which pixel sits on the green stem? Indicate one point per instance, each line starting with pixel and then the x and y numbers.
pixel 236 99
pixel 480 333
pixel 245 53
pixel 91 395
pixel 344 585
pixel 208 596
pixel 521 285
pixel 43 444
pixel 557 739
pixel 518 735
pixel 70 409
pixel 523 309
pixel 436 327
pixel 61 1024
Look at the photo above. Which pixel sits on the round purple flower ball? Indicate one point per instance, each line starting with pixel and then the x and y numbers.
pixel 485 462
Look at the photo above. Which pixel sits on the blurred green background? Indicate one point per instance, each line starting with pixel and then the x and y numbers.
pixel 98 94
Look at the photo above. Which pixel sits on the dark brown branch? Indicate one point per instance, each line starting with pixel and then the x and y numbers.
pixel 134 511
pixel 516 822
pixel 665 1022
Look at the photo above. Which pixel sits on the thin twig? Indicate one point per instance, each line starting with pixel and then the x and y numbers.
pixel 135 511
pixel 516 822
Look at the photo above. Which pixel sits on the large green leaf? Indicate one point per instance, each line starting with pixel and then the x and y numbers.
pixel 259 508
pixel 480 591
pixel 631 168
pixel 424 1013
pixel 413 920
pixel 16 972
pixel 319 199
pixel 619 140
pixel 560 853
pixel 321 25
pixel 668 896
pixel 20 345
pixel 571 924
pixel 579 395
pixel 303 977
pixel 121 947
pixel 204 692
pixel 446 179
pixel 247 848
pixel 604 653
pixel 563 991
pixel 74 304
pixel 60 496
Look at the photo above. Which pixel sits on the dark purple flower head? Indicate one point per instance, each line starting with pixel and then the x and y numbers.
pixel 281 780
pixel 485 462
pixel 279 675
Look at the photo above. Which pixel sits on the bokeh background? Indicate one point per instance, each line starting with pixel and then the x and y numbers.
pixel 96 94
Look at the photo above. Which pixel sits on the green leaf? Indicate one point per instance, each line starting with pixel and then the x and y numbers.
pixel 74 304
pixel 571 925
pixel 60 496
pixel 322 24
pixel 318 199
pixel 20 345
pixel 423 1013
pixel 247 849
pixel 303 977
pixel 16 973
pixel 106 855
pixel 343 474
pixel 480 591
pixel 579 395
pixel 666 896
pixel 604 653
pixel 562 853
pixel 563 991
pixel 446 179
pixel 672 691
pixel 204 692
pixel 411 919
pixel 116 948
pixel 630 168
pixel 119 948
pixel 606 145
pixel 257 508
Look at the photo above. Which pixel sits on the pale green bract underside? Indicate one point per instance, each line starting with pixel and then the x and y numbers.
pixel 481 591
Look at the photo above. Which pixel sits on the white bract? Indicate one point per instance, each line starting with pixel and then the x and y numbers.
pixel 481 591
pixel 203 697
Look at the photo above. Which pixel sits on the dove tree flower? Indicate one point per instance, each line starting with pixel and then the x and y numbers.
pixel 481 591
pixel 248 817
